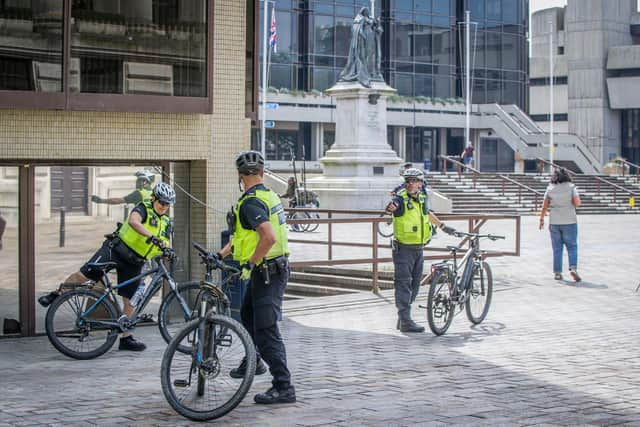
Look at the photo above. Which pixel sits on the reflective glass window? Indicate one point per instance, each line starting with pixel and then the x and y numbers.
pixel 323 35
pixel 10 321
pixel 476 7
pixel 282 76
pixel 63 196
pixel 403 4
pixel 31 46
pixel 403 83
pixel 324 78
pixel 423 85
pixel 423 6
pixel 510 51
pixel 443 86
pixel 493 49
pixel 343 35
pixel 403 37
pixel 422 43
pixel 494 10
pixel 511 93
pixel 443 7
pixel 510 11
pixel 139 47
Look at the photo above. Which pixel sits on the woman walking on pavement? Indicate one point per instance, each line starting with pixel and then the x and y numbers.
pixel 561 200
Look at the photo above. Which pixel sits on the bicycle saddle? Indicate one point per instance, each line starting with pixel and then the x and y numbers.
pixel 454 248
pixel 104 266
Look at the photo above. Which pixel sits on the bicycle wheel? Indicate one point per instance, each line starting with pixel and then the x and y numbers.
pixel 479 299
pixel 207 392
pixel 440 306
pixel 85 339
pixel 312 227
pixel 299 227
pixel 385 229
pixel 171 316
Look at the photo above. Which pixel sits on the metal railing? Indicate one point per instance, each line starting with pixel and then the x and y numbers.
pixel 630 165
pixel 373 218
pixel 616 188
pixel 537 195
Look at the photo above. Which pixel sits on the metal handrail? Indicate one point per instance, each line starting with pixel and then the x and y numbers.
pixel 475 222
pixel 615 186
pixel 628 163
pixel 476 172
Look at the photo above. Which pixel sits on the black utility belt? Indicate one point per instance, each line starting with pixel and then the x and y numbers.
pixel 125 252
pixel 415 246
pixel 276 265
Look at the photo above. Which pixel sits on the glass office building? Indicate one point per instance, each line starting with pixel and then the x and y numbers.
pixel 422 51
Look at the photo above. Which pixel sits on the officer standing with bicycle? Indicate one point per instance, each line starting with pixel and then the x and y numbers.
pixel 260 244
pixel 146 234
pixel 142 193
pixel 411 232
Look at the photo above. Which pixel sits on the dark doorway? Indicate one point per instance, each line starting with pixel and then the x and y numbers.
pixel 69 189
pixel 495 156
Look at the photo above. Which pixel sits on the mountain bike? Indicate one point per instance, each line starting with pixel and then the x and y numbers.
pixel 196 383
pixel 85 320
pixel 468 283
pixel 304 215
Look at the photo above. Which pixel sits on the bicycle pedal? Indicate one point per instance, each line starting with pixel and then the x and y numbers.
pixel 181 383
pixel 146 317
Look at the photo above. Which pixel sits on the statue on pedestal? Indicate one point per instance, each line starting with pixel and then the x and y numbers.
pixel 363 64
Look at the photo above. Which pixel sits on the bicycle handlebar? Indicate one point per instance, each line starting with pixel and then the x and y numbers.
pixel 478 236
pixel 213 261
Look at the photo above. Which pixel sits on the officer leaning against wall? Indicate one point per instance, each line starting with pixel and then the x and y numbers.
pixel 260 244
pixel 411 232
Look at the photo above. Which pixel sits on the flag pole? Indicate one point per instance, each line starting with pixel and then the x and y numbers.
pixel 264 77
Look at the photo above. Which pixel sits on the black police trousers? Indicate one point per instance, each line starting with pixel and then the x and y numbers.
pixel 408 265
pixel 260 311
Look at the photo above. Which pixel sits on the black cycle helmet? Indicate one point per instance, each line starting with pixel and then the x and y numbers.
pixel 250 162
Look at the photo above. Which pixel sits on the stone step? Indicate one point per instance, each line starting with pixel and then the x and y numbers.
pixel 307 290
pixel 344 282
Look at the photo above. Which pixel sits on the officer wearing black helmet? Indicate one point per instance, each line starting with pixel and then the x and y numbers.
pixel 142 193
pixel 411 232
pixel 260 245
pixel 146 233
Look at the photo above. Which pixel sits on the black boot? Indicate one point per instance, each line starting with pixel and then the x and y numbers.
pixel 273 395
pixel 410 326
pixel 239 372
pixel 129 343
pixel 47 299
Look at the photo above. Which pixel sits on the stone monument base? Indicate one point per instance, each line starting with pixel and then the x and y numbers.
pixel 360 169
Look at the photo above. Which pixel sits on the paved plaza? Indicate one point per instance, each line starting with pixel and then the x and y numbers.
pixel 549 353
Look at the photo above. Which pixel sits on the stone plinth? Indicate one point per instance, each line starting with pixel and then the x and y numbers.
pixel 360 168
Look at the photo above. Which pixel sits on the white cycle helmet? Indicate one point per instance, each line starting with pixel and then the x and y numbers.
pixel 413 173
pixel 164 193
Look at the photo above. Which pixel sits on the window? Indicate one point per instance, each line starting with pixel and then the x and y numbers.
pixel 137 50
pixel 9 308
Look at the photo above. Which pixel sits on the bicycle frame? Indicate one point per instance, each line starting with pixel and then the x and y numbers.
pixel 159 272
pixel 471 257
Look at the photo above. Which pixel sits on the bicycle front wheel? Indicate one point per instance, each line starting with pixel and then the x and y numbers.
pixel 79 338
pixel 171 316
pixel 440 306
pixel 479 298
pixel 385 229
pixel 206 391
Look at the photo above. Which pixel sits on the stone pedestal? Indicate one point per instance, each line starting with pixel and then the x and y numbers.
pixel 360 168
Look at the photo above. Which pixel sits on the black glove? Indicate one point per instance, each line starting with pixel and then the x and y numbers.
pixel 96 199
pixel 156 241
pixel 170 254
pixel 447 229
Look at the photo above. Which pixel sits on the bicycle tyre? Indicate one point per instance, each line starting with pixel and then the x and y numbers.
pixel 312 227
pixel 78 300
pixel 171 353
pixel 299 228
pixel 480 288
pixel 169 329
pixel 439 302
pixel 385 229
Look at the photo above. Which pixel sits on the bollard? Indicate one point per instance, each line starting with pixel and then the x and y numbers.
pixel 62 230
pixel 126 212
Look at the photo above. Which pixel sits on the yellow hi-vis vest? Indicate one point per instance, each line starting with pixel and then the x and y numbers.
pixel 145 195
pixel 245 241
pixel 413 227
pixel 159 226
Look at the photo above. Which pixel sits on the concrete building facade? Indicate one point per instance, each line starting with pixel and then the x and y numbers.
pixel 596 55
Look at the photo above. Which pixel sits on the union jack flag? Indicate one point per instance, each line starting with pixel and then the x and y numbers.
pixel 273 38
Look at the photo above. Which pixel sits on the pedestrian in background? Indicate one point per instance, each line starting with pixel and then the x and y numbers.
pixel 561 200
pixel 467 155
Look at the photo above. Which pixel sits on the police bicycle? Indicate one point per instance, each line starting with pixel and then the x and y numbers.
pixel 197 382
pixel 85 320
pixel 454 284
